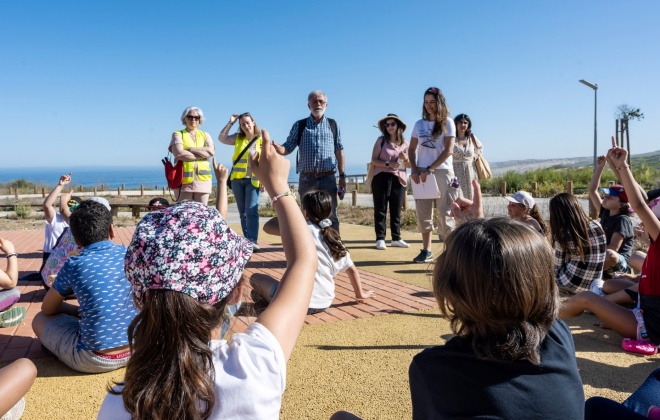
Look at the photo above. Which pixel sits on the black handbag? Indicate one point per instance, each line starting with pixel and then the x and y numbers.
pixel 240 155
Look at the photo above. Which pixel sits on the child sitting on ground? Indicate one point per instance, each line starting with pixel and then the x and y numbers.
pixel 642 323
pixel 580 245
pixel 333 256
pixel 186 257
pixel 91 338
pixel 613 210
pixel 511 357
pixel 9 293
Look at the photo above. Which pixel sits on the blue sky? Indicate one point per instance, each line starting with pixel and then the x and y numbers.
pixel 104 83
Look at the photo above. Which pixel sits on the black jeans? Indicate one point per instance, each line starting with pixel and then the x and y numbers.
pixel 387 189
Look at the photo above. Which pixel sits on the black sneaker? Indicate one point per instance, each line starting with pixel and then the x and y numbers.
pixel 424 257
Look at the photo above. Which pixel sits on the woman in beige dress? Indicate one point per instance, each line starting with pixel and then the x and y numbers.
pixel 467 148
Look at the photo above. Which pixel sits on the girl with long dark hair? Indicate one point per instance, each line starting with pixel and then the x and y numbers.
pixel 186 265
pixel 332 255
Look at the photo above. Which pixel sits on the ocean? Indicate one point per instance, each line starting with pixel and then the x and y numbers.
pixel 113 177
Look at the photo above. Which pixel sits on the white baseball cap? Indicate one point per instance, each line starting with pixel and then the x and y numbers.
pixel 522 197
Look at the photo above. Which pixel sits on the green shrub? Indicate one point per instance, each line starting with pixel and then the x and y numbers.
pixel 23 211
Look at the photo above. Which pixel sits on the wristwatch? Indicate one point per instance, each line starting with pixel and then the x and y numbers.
pixel 428 168
pixel 342 175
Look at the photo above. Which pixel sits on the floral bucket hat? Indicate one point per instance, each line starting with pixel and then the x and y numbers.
pixel 188 248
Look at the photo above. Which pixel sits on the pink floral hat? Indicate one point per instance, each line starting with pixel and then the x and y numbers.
pixel 188 248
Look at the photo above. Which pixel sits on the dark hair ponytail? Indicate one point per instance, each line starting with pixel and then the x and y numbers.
pixel 170 373
pixel 318 206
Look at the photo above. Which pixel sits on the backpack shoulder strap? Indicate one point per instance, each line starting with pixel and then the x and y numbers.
pixel 333 128
pixel 302 124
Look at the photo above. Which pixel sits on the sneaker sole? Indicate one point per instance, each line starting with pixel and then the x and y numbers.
pixel 12 316
pixel 423 262
pixel 399 246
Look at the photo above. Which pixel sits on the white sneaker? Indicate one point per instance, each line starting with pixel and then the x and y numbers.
pixel 399 244
pixel 380 244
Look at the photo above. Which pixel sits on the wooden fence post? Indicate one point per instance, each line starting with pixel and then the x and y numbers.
pixel 118 191
pixel 142 190
pixel 16 193
pixel 535 189
pixel 35 189
pixel 95 191
pixel 163 191
pixel 43 192
pixel 569 187
pixel 11 190
pixel 123 187
pixel 405 199
pixel 80 188
pixel 503 188
pixel 102 187
pixel 354 198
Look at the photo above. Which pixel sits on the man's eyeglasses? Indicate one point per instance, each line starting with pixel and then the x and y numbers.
pixel 193 117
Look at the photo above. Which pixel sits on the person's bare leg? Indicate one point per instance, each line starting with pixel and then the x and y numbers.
pixel 15 381
pixel 615 285
pixel 184 195
pixel 201 198
pixel 636 261
pixel 263 285
pixel 426 240
pixel 616 317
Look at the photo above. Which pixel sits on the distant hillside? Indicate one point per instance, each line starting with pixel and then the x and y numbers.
pixel 520 166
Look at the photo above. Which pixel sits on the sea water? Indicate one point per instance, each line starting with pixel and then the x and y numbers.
pixel 113 177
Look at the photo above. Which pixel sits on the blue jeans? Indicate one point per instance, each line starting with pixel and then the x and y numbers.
pixel 327 184
pixel 646 395
pixel 247 200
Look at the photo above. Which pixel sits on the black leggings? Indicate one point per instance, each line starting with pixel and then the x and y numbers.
pixel 387 189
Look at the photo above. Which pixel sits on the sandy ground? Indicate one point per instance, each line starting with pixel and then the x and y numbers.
pixel 358 365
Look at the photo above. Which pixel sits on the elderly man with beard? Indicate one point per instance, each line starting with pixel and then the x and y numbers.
pixel 321 154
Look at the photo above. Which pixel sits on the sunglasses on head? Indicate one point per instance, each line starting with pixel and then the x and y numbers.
pixel 245 114
pixel 193 117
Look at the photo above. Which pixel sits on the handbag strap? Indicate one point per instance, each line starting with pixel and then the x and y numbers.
pixel 240 155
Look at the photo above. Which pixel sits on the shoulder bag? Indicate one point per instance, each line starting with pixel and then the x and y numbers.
pixel 480 162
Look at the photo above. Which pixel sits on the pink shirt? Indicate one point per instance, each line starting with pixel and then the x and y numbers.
pixel 390 153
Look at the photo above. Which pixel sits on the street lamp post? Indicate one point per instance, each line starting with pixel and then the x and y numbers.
pixel 592 209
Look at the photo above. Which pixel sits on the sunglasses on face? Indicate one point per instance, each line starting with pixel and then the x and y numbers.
pixel 193 117
pixel 392 124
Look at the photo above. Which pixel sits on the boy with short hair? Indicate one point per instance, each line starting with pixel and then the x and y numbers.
pixel 91 338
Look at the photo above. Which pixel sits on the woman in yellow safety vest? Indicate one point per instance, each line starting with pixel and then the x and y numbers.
pixel 193 147
pixel 244 183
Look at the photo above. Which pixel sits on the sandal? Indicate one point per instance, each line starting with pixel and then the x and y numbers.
pixel 12 316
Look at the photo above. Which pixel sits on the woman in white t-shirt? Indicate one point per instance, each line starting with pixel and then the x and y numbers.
pixel 186 265
pixel 431 148
pixel 333 256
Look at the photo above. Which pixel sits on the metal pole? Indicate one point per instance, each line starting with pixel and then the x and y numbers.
pixel 595 125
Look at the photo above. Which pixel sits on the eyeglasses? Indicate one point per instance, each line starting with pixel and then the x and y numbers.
pixel 317 101
pixel 193 117
pixel 245 114
pixel 392 124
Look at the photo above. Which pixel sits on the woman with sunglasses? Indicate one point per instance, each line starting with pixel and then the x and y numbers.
pixel 193 147
pixel 466 149
pixel 388 186
pixel 244 182
pixel 431 148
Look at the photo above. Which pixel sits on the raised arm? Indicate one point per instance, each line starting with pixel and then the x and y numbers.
pixel 49 202
pixel 224 136
pixel 9 278
pixel 286 313
pixel 651 223
pixel 221 174
pixel 595 183
pixel 65 212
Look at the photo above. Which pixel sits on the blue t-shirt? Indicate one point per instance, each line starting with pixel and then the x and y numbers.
pixel 96 276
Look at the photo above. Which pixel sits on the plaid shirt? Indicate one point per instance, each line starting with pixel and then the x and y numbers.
pixel 317 147
pixel 576 274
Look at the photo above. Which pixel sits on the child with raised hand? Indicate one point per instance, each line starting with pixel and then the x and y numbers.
pixel 186 265
pixel 332 255
pixel 642 323
pixel 613 210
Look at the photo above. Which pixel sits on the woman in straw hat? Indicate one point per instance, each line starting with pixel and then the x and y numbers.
pixel 388 186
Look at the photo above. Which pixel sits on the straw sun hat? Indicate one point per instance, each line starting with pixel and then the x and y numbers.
pixel 381 122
